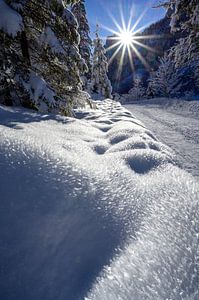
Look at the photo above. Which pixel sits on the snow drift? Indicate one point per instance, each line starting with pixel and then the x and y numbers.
pixel 94 208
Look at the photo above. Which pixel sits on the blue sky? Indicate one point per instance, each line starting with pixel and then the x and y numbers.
pixel 98 11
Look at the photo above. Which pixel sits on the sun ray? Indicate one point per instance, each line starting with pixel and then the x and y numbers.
pixel 139 20
pixel 111 16
pixel 121 63
pixel 122 18
pixel 114 21
pixel 114 54
pixel 113 38
pixel 113 46
pixel 109 29
pixel 130 18
pixel 139 55
pixel 130 58
pixel 148 37
pixel 140 29
pixel 145 46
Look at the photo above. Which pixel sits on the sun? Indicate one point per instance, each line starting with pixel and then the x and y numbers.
pixel 125 37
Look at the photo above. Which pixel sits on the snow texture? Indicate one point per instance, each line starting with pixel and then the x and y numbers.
pixel 93 197
pixel 10 21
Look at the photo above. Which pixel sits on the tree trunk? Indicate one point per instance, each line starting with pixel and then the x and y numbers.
pixel 24 47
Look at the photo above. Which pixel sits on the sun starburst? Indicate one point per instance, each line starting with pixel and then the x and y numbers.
pixel 126 38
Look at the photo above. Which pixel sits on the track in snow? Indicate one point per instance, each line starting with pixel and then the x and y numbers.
pixel 178 131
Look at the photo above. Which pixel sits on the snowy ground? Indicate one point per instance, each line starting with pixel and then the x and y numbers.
pixel 95 208
pixel 175 124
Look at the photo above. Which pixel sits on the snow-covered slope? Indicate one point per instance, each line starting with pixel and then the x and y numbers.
pixel 81 194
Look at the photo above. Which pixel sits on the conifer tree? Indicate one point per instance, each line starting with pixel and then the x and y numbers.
pixel 85 44
pixel 197 76
pixel 186 53
pixel 164 82
pixel 100 84
pixel 43 48
pixel 138 90
pixel 186 17
pixel 14 54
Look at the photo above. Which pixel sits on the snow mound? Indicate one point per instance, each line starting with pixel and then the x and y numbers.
pixel 161 262
pixel 10 21
pixel 93 207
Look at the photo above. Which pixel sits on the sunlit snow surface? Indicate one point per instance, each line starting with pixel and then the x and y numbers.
pixel 93 208
pixel 175 123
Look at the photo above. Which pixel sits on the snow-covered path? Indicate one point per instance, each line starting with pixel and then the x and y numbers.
pixel 177 130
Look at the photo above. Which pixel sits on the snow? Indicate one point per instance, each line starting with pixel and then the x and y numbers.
pixel 179 106
pixel 10 21
pixel 175 123
pixel 93 207
pixel 68 16
pixel 39 90
pixel 49 38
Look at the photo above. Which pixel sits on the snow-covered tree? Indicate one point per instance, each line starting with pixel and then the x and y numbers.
pixel 186 53
pixel 40 42
pixel 100 84
pixel 62 62
pixel 14 56
pixel 138 91
pixel 197 76
pixel 186 18
pixel 164 82
pixel 85 44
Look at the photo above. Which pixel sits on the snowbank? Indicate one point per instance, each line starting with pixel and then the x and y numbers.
pixel 10 21
pixel 81 194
